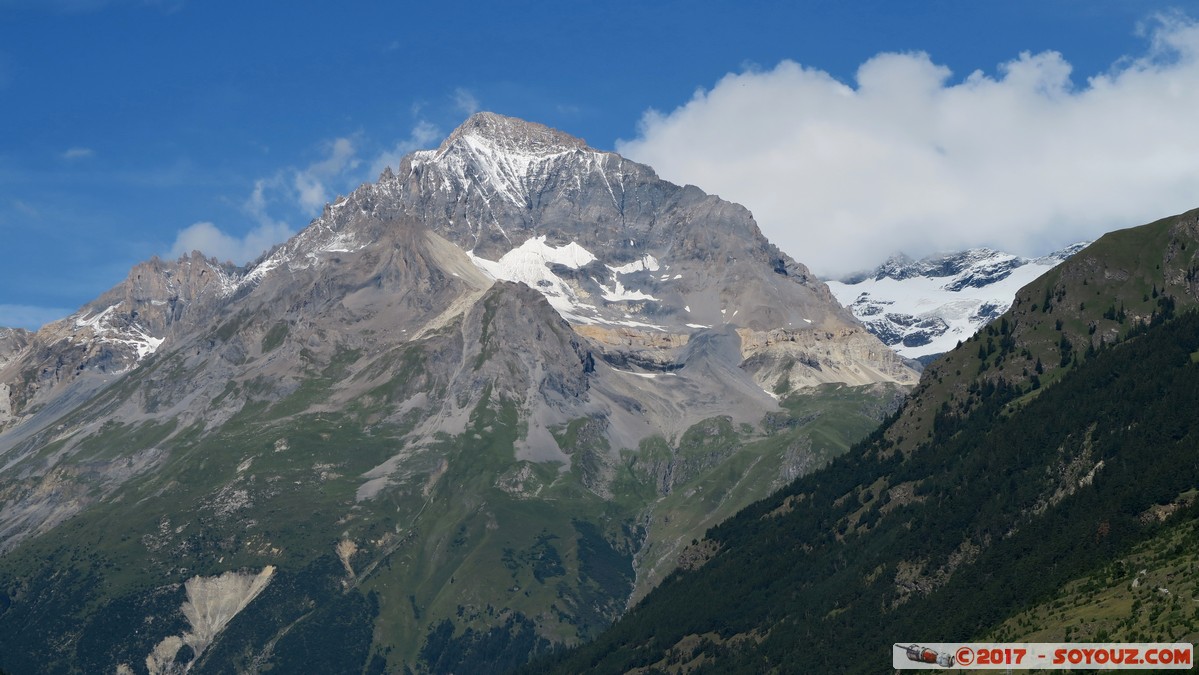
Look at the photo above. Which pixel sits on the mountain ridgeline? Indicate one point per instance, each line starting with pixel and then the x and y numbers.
pixel 474 410
pixel 1040 484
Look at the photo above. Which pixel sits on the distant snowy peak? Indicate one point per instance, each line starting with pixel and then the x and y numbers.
pixel 981 264
pixel 1063 254
pixel 507 158
pixel 133 320
pixel 110 327
pixel 160 301
pixel 923 307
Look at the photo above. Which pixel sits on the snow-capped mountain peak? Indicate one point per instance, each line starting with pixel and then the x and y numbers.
pixel 504 157
pixel 511 136
pixel 924 307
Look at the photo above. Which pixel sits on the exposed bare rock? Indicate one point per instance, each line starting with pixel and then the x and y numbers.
pixel 212 602
pixel 158 302
pixel 698 554
pixel 783 360
pixel 12 342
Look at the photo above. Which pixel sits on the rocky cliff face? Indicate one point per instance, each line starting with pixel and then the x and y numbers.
pixel 69 359
pixel 12 341
pixel 507 379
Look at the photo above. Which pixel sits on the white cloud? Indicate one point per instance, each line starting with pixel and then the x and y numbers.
pixel 78 153
pixel 465 102
pixel 257 204
pixel 297 192
pixel 422 136
pixel 310 183
pixel 907 158
pixel 211 241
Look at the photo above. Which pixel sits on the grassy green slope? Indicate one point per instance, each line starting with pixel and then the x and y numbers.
pixel 470 558
pixel 1150 594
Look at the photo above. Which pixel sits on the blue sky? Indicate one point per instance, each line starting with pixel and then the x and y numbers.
pixel 134 127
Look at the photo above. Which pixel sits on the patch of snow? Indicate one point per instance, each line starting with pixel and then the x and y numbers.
pixel 619 293
pixel 696 325
pixel 506 170
pixel 342 242
pixel 96 322
pixel 687 308
pixel 646 262
pixel 229 284
pixel 648 376
pixel 960 306
pixel 530 263
pixel 103 331
pixel 263 268
pixel 630 324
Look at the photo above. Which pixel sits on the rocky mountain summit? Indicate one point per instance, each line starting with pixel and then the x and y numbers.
pixel 69 359
pixel 923 308
pixel 475 408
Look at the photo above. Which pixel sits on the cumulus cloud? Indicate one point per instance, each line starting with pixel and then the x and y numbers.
pixel 298 192
pixel 212 241
pixel 908 158
pixel 423 135
pixel 310 183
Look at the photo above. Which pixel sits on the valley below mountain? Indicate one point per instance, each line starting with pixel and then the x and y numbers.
pixel 476 409
pixel 1040 484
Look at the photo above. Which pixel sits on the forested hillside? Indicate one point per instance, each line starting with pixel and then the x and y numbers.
pixel 1039 486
